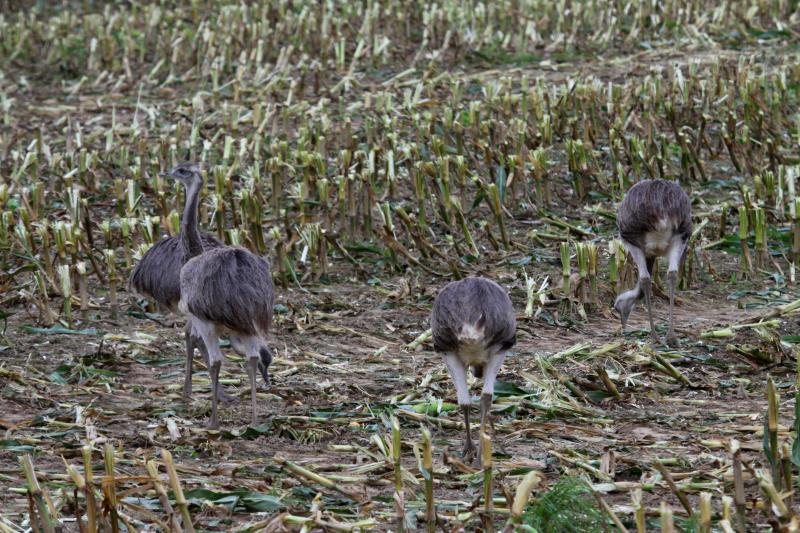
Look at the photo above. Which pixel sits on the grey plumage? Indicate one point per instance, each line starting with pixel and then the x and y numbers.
pixel 225 291
pixel 473 324
pixel 230 287
pixel 476 302
pixel 654 219
pixel 157 275
pixel 646 204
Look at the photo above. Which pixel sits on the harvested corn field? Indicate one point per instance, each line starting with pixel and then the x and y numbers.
pixel 371 153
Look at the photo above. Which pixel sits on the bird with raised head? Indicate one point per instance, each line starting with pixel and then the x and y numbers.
pixel 473 325
pixel 225 291
pixel 654 220
pixel 157 277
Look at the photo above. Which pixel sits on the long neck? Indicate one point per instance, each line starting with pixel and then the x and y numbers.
pixel 633 294
pixel 190 235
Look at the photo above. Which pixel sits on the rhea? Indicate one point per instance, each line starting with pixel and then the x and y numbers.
pixel 225 291
pixel 655 220
pixel 473 325
pixel 157 277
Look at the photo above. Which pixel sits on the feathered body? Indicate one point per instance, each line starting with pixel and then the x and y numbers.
pixel 473 318
pixel 226 290
pixel 157 275
pixel 473 324
pixel 654 220
pixel 215 290
pixel 652 214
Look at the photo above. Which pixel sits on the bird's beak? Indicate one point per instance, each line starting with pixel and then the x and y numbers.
pixel 164 174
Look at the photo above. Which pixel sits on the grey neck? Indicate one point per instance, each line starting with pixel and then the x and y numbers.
pixel 190 235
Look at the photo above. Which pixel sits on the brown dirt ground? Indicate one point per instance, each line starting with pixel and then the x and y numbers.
pixel 341 348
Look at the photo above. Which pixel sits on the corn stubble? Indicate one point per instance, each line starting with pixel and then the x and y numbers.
pixel 367 142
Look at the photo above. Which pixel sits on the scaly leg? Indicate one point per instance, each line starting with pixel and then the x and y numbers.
pixel 458 373
pixel 208 333
pixel 647 286
pixel 672 340
pixel 223 396
pixel 645 282
pixel 469 447
pixel 187 379
pixel 252 365
pixel 490 370
pixel 675 252
pixel 215 366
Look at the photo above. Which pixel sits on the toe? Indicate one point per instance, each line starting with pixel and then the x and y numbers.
pixel 672 341
pixel 469 453
pixel 224 397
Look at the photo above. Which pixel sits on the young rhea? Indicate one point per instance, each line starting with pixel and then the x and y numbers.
pixel 226 290
pixel 473 324
pixel 654 219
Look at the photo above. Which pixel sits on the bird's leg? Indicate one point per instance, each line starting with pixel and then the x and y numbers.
pixel 490 370
pixel 210 341
pixel 647 287
pixel 223 396
pixel 214 370
pixel 469 447
pixel 187 379
pixel 458 372
pixel 672 340
pixel 645 283
pixel 674 256
pixel 252 366
pixel 486 406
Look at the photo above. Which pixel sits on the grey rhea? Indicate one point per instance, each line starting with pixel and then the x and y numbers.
pixel 157 277
pixel 654 219
pixel 226 290
pixel 473 325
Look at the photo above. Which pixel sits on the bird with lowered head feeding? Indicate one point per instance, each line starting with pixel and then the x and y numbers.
pixel 225 291
pixel 654 220
pixel 473 325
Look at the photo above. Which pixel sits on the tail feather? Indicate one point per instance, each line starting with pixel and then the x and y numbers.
pixel 473 332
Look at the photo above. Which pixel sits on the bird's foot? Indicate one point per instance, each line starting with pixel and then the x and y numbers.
pixel 654 338
pixel 213 423
pixel 672 340
pixel 224 397
pixel 469 452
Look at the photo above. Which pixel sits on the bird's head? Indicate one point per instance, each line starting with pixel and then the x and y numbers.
pixel 186 173
pixel 624 305
pixel 265 359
